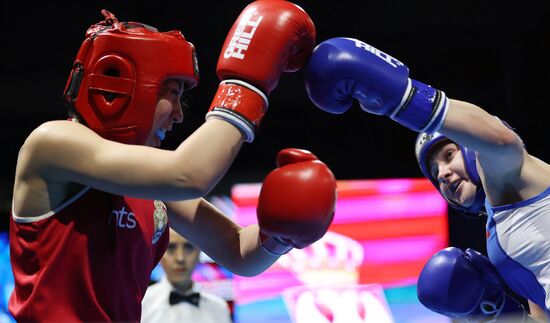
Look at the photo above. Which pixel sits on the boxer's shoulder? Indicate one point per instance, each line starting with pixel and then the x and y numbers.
pixel 55 128
pixel 54 137
pixel 48 147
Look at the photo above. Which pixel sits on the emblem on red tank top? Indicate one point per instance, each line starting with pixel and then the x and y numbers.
pixel 161 220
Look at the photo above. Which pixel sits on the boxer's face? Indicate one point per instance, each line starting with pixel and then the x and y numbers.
pixel 179 260
pixel 447 166
pixel 168 111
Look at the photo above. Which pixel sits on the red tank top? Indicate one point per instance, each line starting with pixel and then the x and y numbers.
pixel 88 260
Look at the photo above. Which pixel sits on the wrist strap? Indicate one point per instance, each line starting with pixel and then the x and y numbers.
pixel 240 104
pixel 274 246
pixel 422 109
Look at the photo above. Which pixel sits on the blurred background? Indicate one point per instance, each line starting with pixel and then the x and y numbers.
pixel 491 53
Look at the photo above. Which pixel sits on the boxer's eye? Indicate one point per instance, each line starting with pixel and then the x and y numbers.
pixel 188 247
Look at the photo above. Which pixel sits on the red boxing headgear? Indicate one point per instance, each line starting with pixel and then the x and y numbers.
pixel 118 71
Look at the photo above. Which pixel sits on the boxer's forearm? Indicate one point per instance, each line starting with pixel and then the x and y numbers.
pixel 255 259
pixel 218 143
pixel 471 126
pixel 232 246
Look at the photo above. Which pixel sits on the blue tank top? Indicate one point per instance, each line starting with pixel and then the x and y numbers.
pixel 518 244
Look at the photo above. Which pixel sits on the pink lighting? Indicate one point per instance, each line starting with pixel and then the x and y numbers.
pixel 398 223
pixel 400 249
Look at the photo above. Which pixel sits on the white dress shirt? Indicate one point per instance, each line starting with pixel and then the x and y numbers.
pixel 156 307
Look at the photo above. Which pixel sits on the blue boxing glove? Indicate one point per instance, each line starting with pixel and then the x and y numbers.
pixel 465 285
pixel 343 69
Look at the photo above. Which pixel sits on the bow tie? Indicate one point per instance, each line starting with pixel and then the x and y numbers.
pixel 192 298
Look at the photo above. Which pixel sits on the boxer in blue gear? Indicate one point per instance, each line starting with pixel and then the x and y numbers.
pixel 477 162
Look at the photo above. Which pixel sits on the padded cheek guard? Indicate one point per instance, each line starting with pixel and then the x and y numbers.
pixel 118 71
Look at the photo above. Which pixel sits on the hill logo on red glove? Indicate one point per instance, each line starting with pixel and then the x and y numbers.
pixel 243 35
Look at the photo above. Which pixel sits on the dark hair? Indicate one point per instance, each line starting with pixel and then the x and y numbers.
pixel 73 114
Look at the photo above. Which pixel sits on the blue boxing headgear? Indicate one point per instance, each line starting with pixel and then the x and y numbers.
pixel 423 150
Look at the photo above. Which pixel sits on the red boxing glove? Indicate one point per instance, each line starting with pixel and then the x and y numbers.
pixel 296 203
pixel 269 37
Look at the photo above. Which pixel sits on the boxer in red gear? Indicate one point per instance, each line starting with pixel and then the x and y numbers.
pixel 93 195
